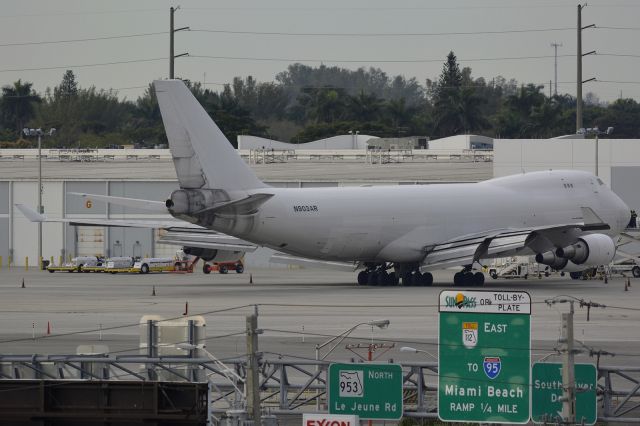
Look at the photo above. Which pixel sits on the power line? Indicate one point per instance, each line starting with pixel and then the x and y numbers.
pixel 272 59
pixel 116 327
pixel 280 33
pixel 61 67
pixel 72 13
pixel 77 40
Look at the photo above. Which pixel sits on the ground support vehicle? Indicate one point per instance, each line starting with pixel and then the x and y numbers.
pixel 152 264
pixel 79 264
pixel 223 267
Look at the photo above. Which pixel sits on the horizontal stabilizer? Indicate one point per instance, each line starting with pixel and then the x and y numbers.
pixel 34 216
pixel 285 259
pixel 31 214
pixel 148 205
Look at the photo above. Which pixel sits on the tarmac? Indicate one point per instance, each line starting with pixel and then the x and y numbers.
pixel 298 308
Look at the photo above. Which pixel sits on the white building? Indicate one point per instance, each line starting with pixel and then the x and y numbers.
pixel 352 141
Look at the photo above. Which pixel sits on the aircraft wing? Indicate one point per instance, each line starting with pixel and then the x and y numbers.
pixel 499 243
pixel 286 259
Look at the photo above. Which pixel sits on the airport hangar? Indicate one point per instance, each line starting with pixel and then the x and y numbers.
pixel 149 174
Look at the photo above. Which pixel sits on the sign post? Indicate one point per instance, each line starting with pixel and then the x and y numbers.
pixel 484 361
pixel 547 390
pixel 370 391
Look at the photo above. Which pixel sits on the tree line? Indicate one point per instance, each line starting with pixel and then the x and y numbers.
pixel 307 103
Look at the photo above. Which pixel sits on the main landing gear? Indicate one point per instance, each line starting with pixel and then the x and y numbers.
pixel 379 275
pixel 466 278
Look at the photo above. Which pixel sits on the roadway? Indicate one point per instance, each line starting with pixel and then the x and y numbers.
pixel 297 309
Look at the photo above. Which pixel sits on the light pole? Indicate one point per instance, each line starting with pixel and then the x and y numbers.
pixel 416 351
pixel 381 323
pixel 39 133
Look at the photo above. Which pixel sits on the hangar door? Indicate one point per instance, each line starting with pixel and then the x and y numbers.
pixel 136 242
pixel 90 240
pixel 624 182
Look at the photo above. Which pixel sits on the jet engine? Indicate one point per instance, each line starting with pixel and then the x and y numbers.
pixel 589 250
pixel 191 201
pixel 213 254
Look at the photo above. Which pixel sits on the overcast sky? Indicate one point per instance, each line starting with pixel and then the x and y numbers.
pixel 30 21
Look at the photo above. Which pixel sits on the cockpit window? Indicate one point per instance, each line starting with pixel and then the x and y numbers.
pixel 600 181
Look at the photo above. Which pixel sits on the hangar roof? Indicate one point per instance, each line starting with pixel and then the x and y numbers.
pixel 344 171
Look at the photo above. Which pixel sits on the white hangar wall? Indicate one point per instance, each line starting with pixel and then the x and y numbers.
pixel 618 160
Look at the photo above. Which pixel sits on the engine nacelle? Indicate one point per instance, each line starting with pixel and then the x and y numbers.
pixel 590 250
pixel 209 255
pixel 191 201
pixel 551 259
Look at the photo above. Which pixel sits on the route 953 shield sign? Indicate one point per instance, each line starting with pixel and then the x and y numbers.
pixel 484 356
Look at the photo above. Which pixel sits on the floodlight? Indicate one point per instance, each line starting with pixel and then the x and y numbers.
pixel 382 323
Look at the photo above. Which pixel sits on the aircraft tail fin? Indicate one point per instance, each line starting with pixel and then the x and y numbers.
pixel 202 155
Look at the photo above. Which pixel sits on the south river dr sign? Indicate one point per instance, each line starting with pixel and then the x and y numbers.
pixel 370 391
pixel 484 356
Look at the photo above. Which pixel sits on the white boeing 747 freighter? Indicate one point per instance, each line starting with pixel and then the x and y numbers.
pixel 567 219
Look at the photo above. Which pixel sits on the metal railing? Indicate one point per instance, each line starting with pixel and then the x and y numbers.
pixel 288 386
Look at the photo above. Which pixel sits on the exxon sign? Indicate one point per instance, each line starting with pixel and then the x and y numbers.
pixel 329 420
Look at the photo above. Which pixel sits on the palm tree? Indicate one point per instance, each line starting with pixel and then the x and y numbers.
pixel 365 107
pixel 17 104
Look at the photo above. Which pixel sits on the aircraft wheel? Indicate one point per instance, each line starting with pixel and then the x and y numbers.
pixel 636 271
pixel 144 269
pixel 394 280
pixel 427 279
pixel 407 279
pixel 458 279
pixel 382 278
pixel 206 268
pixel 478 279
pixel 363 278
pixel 575 275
pixel 372 278
pixel 467 279
pixel 494 275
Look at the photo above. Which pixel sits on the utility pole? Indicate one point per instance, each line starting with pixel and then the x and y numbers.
pixel 568 369
pixel 252 386
pixel 555 66
pixel 172 31
pixel 579 80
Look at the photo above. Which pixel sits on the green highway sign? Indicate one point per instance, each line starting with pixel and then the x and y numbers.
pixel 484 356
pixel 547 390
pixel 370 391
